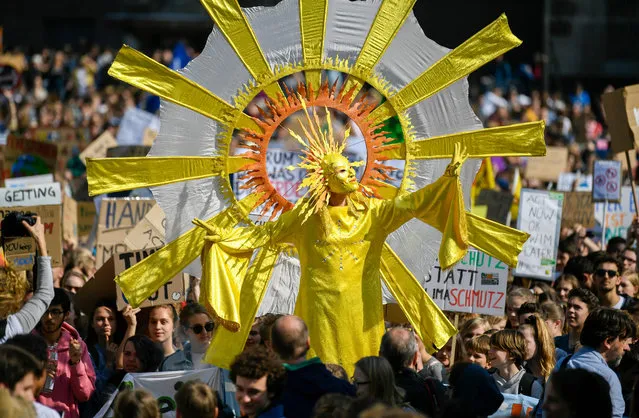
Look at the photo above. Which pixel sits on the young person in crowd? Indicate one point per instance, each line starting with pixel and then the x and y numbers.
pixel 526 310
pixel 195 399
pixel 606 336
pixel 506 355
pixel 73 280
pixel 554 316
pixel 106 329
pixel 616 246
pixel 17 317
pixel 497 323
pixel 629 285
pixel 583 268
pixel 19 371
pixel 477 349
pixel 135 403
pixel 564 284
pixel 580 303
pixel 259 378
pixel 543 292
pixel 162 319
pixel 577 393
pixel 399 346
pixel 374 378
pixel 607 279
pixel 540 348
pixel 444 355
pixel 629 259
pixel 254 338
pixel 517 297
pixel 473 327
pixel 36 346
pixel 198 327
pixel 306 379
pixel 71 378
pixel 141 355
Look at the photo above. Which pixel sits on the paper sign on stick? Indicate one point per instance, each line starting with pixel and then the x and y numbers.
pixel 171 292
pixel 98 148
pixel 476 284
pixel 149 233
pixel 548 168
pixel 28 181
pixel 110 242
pixel 34 195
pixel 618 215
pixel 607 181
pixel 540 216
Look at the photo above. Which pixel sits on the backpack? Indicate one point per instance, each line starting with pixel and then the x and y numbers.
pixel 526 384
pixel 436 391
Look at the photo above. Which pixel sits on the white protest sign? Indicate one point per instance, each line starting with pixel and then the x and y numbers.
pixel 28 181
pixel 584 183
pixel 540 216
pixel 618 215
pixel 515 406
pixel 476 284
pixel 33 195
pixel 607 181
pixel 580 182
pixel 163 386
pixel 134 124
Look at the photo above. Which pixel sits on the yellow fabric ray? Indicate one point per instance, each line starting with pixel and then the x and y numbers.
pixel 481 48
pixel 108 175
pixel 228 16
pixel 227 344
pixel 497 240
pixel 312 30
pixel 171 259
pixel 137 69
pixel 389 19
pixel 427 319
pixel 523 139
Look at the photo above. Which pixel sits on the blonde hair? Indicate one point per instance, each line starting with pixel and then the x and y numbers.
pixel 15 407
pixel 13 288
pixel 467 327
pixel 569 278
pixel 521 292
pixel 512 342
pixel 479 344
pixel 545 354
pixel 494 320
pixel 633 278
pixel 135 403
pixel 84 260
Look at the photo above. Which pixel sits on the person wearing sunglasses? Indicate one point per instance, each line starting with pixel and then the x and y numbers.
pixel 607 278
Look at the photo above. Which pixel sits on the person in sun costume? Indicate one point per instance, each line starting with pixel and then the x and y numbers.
pixel 331 251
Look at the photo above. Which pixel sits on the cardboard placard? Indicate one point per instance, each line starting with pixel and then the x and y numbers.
pixel 498 204
pixel 37 157
pixel 66 140
pixel 149 233
pixel 86 219
pixel 540 216
pixel 101 286
pixel 578 209
pixel 33 195
pixel 123 213
pixel 618 215
pixel 548 168
pixel 69 218
pixel 28 181
pixel 476 284
pixel 622 117
pixel 607 181
pixel 51 218
pixel 98 148
pixel 20 252
pixel 171 292
pixel 109 243
pixel 134 124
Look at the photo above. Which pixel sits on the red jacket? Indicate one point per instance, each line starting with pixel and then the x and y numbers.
pixel 73 384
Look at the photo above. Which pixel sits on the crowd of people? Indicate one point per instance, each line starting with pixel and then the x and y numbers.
pixel 569 343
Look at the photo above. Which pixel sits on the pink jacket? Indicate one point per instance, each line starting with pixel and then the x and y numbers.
pixel 73 384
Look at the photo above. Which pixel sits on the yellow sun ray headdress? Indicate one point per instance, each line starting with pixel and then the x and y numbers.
pixel 250 51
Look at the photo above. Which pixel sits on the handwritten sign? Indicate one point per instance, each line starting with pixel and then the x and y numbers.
pixel 98 148
pixel 578 209
pixel 69 219
pixel 618 215
pixel 20 252
pixel 476 284
pixel 28 181
pixel 607 181
pixel 549 167
pixel 86 218
pixel 110 242
pixel 149 233
pixel 51 218
pixel 171 292
pixel 540 216
pixel 123 213
pixel 37 194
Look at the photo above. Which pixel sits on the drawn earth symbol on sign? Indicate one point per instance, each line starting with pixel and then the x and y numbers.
pixel 611 173
pixel 611 187
pixel 600 180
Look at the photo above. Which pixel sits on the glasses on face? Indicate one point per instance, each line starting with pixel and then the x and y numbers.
pixel 632 260
pixel 603 272
pixel 209 326
pixel 54 312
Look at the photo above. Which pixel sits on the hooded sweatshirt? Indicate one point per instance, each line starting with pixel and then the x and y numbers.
pixel 72 384
pixel 307 382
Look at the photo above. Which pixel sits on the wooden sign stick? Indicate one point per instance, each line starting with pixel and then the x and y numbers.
pixel 632 183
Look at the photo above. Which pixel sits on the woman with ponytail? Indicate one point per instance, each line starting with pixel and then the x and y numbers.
pixel 540 353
